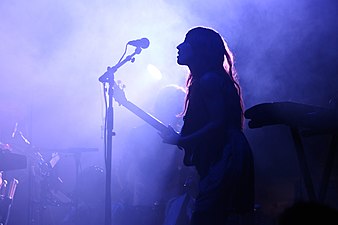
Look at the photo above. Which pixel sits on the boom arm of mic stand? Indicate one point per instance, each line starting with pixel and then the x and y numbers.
pixel 108 75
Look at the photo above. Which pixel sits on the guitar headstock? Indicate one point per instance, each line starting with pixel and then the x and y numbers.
pixel 119 94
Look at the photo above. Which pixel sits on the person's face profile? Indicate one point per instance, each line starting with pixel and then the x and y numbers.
pixel 185 53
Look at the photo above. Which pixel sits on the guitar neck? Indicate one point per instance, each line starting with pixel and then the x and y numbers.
pixel 151 120
pixel 158 125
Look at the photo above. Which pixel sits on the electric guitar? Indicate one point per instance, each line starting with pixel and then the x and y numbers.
pixel 120 97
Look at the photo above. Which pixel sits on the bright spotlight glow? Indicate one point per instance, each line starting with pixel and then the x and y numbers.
pixel 154 72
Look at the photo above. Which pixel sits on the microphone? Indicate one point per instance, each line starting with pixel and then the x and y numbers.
pixel 140 43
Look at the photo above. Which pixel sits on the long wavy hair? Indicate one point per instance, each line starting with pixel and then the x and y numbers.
pixel 213 55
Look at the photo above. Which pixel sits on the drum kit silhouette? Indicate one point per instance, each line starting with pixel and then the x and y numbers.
pixel 19 155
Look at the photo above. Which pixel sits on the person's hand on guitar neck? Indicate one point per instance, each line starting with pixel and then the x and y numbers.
pixel 170 136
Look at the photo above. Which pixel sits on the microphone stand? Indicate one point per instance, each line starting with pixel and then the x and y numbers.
pixel 108 77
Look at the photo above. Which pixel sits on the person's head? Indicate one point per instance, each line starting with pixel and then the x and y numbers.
pixel 204 50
